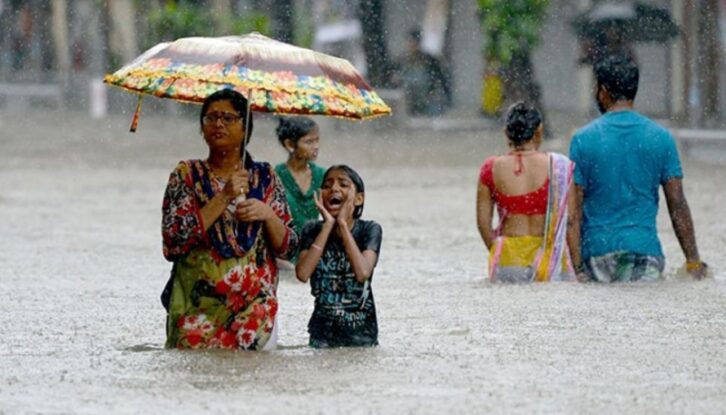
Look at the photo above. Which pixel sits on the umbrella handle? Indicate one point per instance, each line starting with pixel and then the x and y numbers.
pixel 239 199
pixel 247 126
pixel 242 197
pixel 137 114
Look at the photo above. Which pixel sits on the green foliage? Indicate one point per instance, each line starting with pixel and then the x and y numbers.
pixel 255 22
pixel 304 28
pixel 510 26
pixel 178 19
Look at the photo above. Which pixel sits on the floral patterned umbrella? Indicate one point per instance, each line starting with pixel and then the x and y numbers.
pixel 275 76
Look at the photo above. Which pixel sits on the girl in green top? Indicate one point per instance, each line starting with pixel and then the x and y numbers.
pixel 300 137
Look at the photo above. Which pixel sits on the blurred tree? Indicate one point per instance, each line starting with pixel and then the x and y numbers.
pixel 283 14
pixel 372 16
pixel 511 30
pixel 221 11
pixel 176 19
pixel 304 24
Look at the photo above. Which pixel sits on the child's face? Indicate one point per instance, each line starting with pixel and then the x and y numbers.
pixel 338 189
pixel 308 145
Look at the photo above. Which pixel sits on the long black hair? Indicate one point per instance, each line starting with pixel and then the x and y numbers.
pixel 522 122
pixel 239 103
pixel 294 128
pixel 357 182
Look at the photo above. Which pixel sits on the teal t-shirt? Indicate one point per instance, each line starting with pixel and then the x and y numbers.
pixel 621 159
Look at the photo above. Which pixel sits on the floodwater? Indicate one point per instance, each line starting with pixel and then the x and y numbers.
pixel 82 270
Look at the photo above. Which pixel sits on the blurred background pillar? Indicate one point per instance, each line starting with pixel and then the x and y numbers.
pixel 709 60
pixel 465 62
pixel 222 16
pixel 122 36
pixel 372 16
pixel 283 17
pixel 678 67
pixel 704 63
pixel 59 30
pixel 585 78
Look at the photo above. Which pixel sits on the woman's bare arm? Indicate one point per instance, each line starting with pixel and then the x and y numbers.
pixel 484 212
pixel 362 263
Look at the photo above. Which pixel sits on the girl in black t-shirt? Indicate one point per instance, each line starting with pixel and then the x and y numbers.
pixel 338 255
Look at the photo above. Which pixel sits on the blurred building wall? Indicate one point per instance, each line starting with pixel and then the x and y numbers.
pixel 467 60
pixel 567 87
pixel 462 51
pixel 29 51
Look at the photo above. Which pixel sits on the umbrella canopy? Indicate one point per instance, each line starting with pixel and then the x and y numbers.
pixel 630 21
pixel 275 76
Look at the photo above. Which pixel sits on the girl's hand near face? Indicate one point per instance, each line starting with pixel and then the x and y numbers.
pixel 253 210
pixel 327 217
pixel 346 211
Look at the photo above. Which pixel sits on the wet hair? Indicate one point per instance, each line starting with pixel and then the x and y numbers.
pixel 239 103
pixel 522 121
pixel 294 128
pixel 619 75
pixel 357 182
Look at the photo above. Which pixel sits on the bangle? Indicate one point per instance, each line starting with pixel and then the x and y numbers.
pixel 694 265
pixel 316 246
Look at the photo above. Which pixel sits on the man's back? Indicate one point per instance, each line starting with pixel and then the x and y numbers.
pixel 621 159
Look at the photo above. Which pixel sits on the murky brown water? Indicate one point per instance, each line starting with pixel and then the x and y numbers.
pixel 81 271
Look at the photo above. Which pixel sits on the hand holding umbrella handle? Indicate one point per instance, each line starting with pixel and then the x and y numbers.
pixel 239 183
pixel 239 199
pixel 243 195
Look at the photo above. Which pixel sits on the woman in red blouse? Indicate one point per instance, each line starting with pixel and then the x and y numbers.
pixel 223 289
pixel 531 191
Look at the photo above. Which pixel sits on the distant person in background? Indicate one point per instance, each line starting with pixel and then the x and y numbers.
pixel 300 137
pixel 532 191
pixel 606 43
pixel 621 159
pixel 423 78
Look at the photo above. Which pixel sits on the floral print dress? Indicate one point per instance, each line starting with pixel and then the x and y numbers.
pixel 223 291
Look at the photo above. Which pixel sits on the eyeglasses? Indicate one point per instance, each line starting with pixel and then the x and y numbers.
pixel 227 118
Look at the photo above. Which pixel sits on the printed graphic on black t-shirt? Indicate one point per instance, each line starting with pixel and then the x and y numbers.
pixel 345 313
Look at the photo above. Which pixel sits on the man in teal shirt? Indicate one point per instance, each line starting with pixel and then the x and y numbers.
pixel 621 159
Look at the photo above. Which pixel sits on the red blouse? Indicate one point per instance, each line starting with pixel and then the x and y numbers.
pixel 532 203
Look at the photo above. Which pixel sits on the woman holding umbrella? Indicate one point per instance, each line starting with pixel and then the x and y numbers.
pixel 222 291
